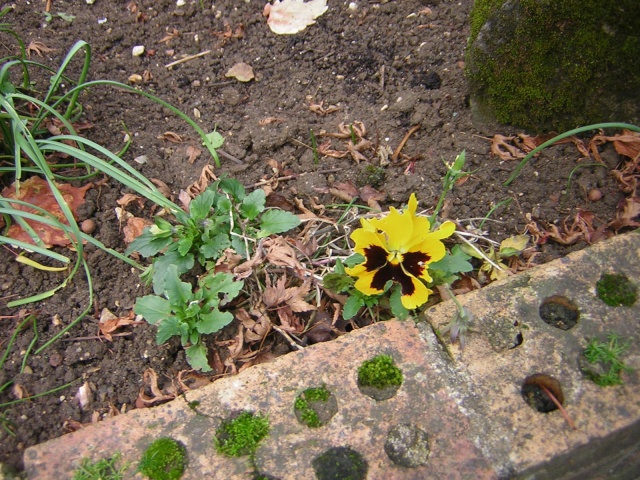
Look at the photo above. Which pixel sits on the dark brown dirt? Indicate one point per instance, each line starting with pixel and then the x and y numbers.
pixel 390 65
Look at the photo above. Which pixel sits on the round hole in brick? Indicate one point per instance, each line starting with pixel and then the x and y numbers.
pixel 538 390
pixel 560 312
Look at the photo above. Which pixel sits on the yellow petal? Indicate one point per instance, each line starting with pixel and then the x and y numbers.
pixel 365 238
pixel 419 296
pixel 363 284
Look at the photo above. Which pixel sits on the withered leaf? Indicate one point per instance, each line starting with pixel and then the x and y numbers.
pixel 36 191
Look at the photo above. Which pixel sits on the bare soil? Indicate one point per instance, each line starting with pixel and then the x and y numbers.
pixel 390 65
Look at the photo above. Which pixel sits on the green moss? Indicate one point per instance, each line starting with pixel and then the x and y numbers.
pixel 164 459
pixel 371 175
pixel 241 435
pixel 104 469
pixel 306 413
pixel 555 64
pixel 379 372
pixel 616 289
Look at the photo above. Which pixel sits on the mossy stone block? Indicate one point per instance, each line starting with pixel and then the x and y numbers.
pixel 554 65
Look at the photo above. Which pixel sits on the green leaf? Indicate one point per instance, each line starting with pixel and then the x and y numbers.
pixel 216 139
pixel 455 262
pixel 351 307
pixel 233 187
pixel 222 283
pixel 276 221
pixel 200 207
pixel 395 302
pixel 152 308
pixel 184 245
pixel 161 265
pixel 67 17
pixel 169 327
pixel 339 268
pixel 147 244
pixel 253 204
pixel 355 259
pixel 178 292
pixel 223 205
pixel 337 282
pixel 213 321
pixel 214 247
pixel 197 357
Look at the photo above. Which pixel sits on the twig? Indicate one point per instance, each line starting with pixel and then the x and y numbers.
pixel 396 154
pixel 290 177
pixel 228 156
pixel 186 59
pixel 287 337
pixel 559 405
pixel 96 337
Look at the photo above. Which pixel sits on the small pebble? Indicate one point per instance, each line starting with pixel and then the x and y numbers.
pixel 595 195
pixel 88 226
pixel 137 50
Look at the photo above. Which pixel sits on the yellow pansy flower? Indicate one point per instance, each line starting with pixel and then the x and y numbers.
pixel 398 248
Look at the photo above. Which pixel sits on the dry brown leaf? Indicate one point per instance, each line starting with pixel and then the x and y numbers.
pixel 171 137
pixel 206 177
pixel 241 72
pixel 84 396
pixel 162 187
pixel 109 322
pixel 36 191
pixel 270 120
pixel 504 150
pixel 193 153
pixel 129 198
pixel 170 36
pixel 292 16
pixel 281 254
pixel 38 48
pixel 190 380
pixel 150 381
pixel 134 228
pixel 19 391
pixel 293 297
pixel 319 108
pixel 627 215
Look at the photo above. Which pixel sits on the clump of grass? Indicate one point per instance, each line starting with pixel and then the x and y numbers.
pixel 164 459
pixel 605 356
pixel 379 372
pixel 104 469
pixel 241 435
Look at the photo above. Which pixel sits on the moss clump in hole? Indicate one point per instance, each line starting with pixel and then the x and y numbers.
pixel 615 289
pixel 242 434
pixel 605 365
pixel 164 459
pixel 379 372
pixel 315 406
pixel 371 175
pixel 340 463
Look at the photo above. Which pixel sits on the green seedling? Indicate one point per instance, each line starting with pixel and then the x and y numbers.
pixel 241 435
pixel 164 459
pixel 187 313
pixel 454 173
pixel 223 216
pixel 606 357
pixel 493 266
pixel 104 469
